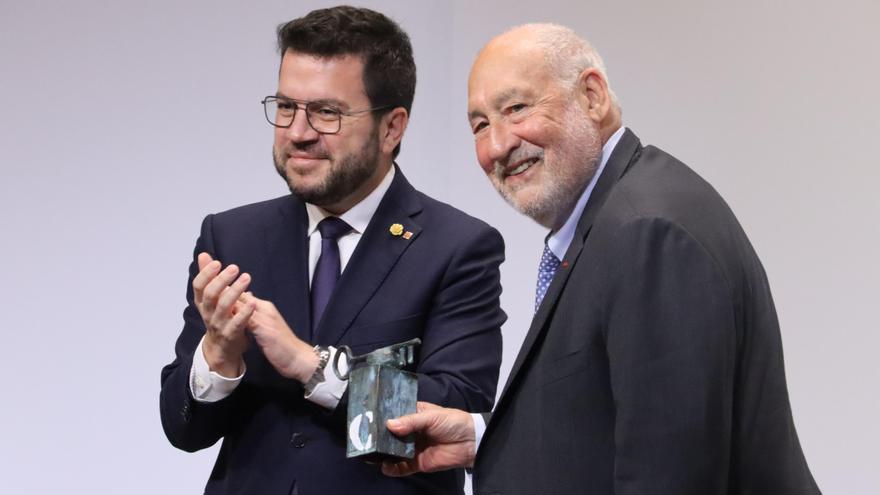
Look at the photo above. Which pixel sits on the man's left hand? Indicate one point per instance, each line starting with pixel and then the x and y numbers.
pixel 290 355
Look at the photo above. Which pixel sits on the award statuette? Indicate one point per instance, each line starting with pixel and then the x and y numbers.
pixel 378 390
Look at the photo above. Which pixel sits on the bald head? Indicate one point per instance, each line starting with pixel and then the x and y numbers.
pixel 555 55
pixel 564 53
pixel 540 110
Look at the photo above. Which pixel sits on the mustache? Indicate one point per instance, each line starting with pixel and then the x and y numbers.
pixel 313 150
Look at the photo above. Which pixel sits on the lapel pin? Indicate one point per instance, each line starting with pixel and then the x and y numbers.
pixel 407 235
pixel 396 229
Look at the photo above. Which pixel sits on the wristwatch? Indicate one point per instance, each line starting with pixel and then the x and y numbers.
pixel 318 376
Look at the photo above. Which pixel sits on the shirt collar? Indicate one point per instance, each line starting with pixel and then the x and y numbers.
pixel 359 215
pixel 559 241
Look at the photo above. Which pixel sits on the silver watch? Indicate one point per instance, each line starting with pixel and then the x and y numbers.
pixel 318 376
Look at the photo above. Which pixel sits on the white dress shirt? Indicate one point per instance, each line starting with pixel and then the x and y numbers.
pixel 209 386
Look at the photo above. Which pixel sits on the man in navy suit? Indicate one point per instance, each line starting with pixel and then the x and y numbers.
pixel 354 256
pixel 653 364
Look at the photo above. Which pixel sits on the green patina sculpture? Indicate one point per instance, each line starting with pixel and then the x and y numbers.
pixel 379 389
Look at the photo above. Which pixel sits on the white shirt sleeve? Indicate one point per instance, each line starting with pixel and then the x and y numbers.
pixel 479 429
pixel 329 392
pixel 206 385
pixel 210 386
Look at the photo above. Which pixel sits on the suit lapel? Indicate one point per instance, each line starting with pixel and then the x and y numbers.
pixel 376 254
pixel 287 246
pixel 626 151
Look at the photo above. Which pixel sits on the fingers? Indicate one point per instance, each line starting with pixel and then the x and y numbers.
pixel 231 294
pixel 203 260
pixel 410 423
pixel 206 274
pixel 422 406
pixel 218 292
pixel 265 314
pixel 216 286
pixel 263 306
pixel 239 321
pixel 398 469
pixel 257 316
pixel 247 296
pixel 419 421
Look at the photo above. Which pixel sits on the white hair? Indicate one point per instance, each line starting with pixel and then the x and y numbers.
pixel 567 54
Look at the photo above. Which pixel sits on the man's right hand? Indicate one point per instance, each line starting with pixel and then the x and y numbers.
pixel 445 439
pixel 217 299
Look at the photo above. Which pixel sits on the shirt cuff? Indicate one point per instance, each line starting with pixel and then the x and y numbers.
pixel 329 392
pixel 479 429
pixel 210 386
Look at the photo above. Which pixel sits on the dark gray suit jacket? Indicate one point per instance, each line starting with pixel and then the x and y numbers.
pixel 654 364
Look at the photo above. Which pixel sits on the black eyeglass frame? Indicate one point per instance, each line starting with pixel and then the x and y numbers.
pixel 315 105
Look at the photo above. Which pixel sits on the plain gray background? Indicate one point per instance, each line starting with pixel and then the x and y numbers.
pixel 124 123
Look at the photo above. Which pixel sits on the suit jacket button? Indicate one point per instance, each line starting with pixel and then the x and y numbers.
pixel 185 413
pixel 298 440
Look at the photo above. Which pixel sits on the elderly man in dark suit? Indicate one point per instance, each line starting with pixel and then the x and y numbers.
pixel 653 364
pixel 354 256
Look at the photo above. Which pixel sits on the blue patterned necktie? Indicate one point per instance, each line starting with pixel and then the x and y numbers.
pixel 328 267
pixel 549 264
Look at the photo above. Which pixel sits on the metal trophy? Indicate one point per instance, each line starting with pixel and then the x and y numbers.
pixel 379 389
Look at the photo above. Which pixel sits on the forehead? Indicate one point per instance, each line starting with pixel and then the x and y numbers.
pixel 507 70
pixel 307 77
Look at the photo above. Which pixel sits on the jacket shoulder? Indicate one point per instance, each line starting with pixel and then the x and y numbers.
pixel 660 186
pixel 450 221
pixel 661 196
pixel 255 214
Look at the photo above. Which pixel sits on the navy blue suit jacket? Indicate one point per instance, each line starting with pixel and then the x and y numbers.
pixel 441 285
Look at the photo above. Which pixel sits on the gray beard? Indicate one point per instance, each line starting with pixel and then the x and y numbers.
pixel 566 181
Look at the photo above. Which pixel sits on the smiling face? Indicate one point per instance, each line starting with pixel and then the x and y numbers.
pixel 534 140
pixel 334 171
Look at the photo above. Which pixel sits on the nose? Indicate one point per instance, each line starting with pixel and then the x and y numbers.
pixel 501 142
pixel 300 131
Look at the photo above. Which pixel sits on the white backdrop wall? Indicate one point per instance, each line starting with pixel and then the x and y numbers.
pixel 123 123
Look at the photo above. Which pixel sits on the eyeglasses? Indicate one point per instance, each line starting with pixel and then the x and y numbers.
pixel 321 116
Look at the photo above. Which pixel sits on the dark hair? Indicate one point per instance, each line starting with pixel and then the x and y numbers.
pixel 383 47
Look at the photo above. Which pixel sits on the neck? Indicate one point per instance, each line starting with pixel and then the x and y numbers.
pixel 610 124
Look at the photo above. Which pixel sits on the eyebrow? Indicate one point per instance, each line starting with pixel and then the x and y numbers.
pixel 473 114
pixel 496 102
pixel 324 101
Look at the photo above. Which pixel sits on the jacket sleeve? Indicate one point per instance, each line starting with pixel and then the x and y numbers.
pixel 461 344
pixel 671 343
pixel 188 424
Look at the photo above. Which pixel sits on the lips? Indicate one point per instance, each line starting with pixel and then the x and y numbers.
pixel 521 166
pixel 297 156
pixel 305 151
pixel 303 165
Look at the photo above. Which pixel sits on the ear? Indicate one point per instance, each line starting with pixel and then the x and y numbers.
pixel 391 129
pixel 593 94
